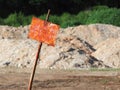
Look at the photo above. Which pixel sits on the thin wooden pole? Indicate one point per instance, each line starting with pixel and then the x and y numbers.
pixel 37 57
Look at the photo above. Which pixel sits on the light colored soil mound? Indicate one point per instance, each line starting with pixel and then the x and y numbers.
pixel 84 46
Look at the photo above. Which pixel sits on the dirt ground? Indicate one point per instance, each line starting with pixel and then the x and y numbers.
pixel 17 79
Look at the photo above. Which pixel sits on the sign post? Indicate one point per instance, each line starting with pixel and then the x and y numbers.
pixel 37 57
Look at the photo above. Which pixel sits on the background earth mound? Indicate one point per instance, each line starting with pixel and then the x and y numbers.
pixel 84 46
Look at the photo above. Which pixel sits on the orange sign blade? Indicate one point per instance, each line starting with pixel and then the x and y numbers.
pixel 43 31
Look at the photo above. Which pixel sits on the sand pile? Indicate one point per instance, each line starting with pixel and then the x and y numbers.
pixel 84 46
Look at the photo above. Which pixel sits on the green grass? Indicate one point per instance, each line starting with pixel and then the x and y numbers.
pixel 97 14
pixel 106 16
pixel 104 69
